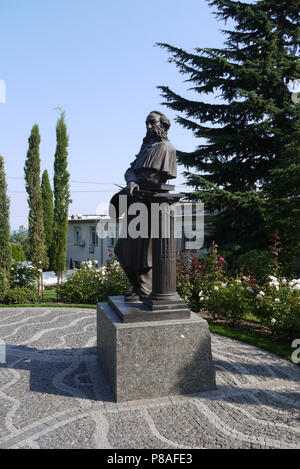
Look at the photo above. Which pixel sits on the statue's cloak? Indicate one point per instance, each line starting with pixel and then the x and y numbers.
pixel 155 163
pixel 159 156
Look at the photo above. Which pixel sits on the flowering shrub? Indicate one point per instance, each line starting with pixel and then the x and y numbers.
pixel 24 274
pixel 275 302
pixel 90 284
pixel 116 282
pixel 195 274
pixel 216 262
pixel 230 300
pixel 83 286
pixel 89 264
pixel 183 277
pixel 277 306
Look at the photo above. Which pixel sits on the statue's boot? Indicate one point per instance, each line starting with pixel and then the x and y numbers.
pixel 141 280
pixel 144 280
pixel 132 295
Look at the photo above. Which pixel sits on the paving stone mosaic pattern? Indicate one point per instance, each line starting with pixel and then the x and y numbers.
pixel 53 395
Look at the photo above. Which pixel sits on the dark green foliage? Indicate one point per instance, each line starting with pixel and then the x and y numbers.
pixel 260 263
pixel 284 195
pixel 36 239
pixel 233 303
pixel 5 248
pixel 251 135
pixel 83 287
pixel 20 295
pixel 61 198
pixel 17 252
pixel 48 215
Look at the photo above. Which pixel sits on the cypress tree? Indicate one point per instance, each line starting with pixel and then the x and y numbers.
pixel 61 198
pixel 36 237
pixel 5 247
pixel 48 214
pixel 253 128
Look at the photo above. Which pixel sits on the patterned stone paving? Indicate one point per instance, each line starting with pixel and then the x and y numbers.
pixel 52 394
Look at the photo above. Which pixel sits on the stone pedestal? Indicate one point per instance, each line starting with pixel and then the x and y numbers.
pixel 155 347
pixel 155 358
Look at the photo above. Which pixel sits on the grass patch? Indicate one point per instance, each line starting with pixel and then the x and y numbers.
pixel 49 295
pixel 250 317
pixel 275 346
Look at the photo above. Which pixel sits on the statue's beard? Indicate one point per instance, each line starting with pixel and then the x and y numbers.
pixel 157 133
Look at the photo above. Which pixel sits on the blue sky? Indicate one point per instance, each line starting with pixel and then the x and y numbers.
pixel 97 60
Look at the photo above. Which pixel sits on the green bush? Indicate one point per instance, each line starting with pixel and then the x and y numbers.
pixel 20 295
pixel 89 284
pixel 115 281
pixel 17 252
pixel 84 286
pixel 231 300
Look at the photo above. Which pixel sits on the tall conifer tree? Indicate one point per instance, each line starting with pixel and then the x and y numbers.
pixel 250 133
pixel 61 198
pixel 5 247
pixel 48 214
pixel 36 248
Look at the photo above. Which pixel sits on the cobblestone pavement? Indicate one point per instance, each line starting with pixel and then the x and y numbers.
pixel 52 394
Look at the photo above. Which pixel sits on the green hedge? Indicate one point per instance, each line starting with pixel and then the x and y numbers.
pixel 20 295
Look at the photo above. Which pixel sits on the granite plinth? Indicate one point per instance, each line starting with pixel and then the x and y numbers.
pixel 138 311
pixel 152 359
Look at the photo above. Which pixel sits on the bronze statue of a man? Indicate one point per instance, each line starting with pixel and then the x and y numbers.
pixel 154 165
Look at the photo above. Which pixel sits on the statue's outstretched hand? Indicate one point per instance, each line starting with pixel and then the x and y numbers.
pixel 131 186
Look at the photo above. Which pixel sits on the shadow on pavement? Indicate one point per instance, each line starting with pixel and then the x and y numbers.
pixel 67 372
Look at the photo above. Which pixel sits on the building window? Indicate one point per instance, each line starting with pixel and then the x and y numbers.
pixel 93 236
pixel 76 236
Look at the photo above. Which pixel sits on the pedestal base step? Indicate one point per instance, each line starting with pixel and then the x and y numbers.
pixel 137 311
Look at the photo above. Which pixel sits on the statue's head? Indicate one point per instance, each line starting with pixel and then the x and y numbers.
pixel 157 126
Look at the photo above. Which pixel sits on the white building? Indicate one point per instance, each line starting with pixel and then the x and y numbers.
pixel 83 242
